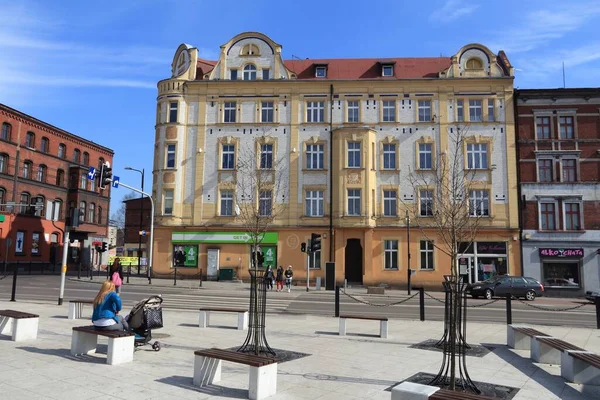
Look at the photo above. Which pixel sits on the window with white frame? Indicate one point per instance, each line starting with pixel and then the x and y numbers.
pixel 82 210
pixel 226 203
pixel 62 151
pixel 389 203
pixel 389 156
pixel 426 250
pixel 93 185
pixel 354 202
pixel 543 127
pixel 387 70
pixel 266 156
pixel 27 166
pixel 548 215
pixel 30 140
pixel 228 156
pixel 266 111
pixel 572 216
pixel 475 111
pixel 567 127
pixel 353 154
pixel 314 260
pixel 265 203
pixel 424 108
pixel 479 203
pixel 3 163
pixel 170 159
pixel 389 110
pixel 425 156
pixel 315 156
pixel 491 116
pixel 320 72
pixel 41 173
pixel 460 110
pixel 173 111
pixel 250 72
pixel 569 169
pixel 314 203
pixel 353 111
pixel 229 111
pixel 168 202
pixel 92 213
pixel 315 111
pixel 83 181
pixel 426 203
pixel 545 170
pixel 477 156
pixel 390 254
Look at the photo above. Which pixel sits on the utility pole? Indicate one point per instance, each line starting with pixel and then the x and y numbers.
pixel 408 250
pixel 63 268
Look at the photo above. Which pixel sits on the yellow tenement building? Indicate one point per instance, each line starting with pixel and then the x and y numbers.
pixel 348 133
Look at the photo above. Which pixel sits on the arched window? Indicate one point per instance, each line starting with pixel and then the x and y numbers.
pixel 474 63
pixel 57 209
pixel 3 163
pixel 60 177
pixel 41 211
pixel 30 140
pixel 83 181
pixel 2 198
pixel 250 50
pixel 41 173
pixel 250 72
pixel 77 156
pixel 82 209
pixel 99 215
pixel 92 213
pixel 45 145
pixel 24 202
pixel 86 158
pixel 62 151
pixel 6 131
pixel 27 165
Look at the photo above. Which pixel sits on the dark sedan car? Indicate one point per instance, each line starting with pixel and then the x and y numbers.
pixel 518 286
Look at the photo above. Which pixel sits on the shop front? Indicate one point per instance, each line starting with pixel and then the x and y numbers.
pixel 479 261
pixel 561 268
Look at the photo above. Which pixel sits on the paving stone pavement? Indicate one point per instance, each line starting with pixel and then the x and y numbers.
pixel 358 366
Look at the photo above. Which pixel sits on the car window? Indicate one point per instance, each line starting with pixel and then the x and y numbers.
pixel 517 281
pixel 504 281
pixel 534 282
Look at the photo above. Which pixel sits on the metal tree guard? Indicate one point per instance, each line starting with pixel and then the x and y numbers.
pixel 455 343
pixel 447 292
pixel 256 340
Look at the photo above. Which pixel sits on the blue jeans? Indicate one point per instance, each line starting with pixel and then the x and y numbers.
pixel 122 325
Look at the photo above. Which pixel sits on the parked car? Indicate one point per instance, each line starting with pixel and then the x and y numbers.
pixel 517 286
pixel 591 295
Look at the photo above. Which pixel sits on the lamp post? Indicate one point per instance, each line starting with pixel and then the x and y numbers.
pixel 408 250
pixel 141 216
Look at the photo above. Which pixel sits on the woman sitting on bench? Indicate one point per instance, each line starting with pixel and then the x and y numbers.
pixel 107 305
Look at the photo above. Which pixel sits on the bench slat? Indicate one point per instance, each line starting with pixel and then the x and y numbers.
pixel 110 334
pixel 367 317
pixel 529 331
pixel 233 356
pixel 444 394
pixel 558 344
pixel 17 314
pixel 82 301
pixel 233 310
pixel 592 359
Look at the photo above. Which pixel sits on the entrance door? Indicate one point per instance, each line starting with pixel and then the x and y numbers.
pixel 466 270
pixel 353 268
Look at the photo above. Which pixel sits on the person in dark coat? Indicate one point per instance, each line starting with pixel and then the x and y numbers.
pixel 279 278
pixel 269 277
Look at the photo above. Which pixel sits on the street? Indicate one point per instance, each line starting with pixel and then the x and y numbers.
pixel 188 296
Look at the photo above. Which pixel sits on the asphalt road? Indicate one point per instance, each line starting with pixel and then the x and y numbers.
pixel 188 297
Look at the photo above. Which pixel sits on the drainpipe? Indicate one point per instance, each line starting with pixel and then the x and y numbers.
pixel 331 238
pixel 521 200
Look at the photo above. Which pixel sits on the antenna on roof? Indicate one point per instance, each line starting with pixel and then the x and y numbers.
pixel 296 57
pixel 564 80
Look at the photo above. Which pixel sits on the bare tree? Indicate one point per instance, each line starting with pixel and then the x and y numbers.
pixel 262 188
pixel 118 217
pixel 453 203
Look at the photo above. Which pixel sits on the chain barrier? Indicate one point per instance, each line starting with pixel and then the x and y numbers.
pixel 379 305
pixel 484 304
pixel 549 309
pixel 435 298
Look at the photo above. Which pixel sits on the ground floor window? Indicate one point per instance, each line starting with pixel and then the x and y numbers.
pixel 561 274
pixel 479 261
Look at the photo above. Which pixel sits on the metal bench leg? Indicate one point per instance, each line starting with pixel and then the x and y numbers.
pixel 120 350
pixel 263 382
pixel 578 371
pixel 206 370
pixel 342 326
pixel 25 329
pixel 83 343
pixel 243 321
pixel 383 329
pixel 72 310
pixel 204 317
pixel 6 326
pixel 542 353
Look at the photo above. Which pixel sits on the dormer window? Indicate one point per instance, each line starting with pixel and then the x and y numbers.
pixel 321 71
pixel 250 50
pixel 474 63
pixel 250 72
pixel 387 70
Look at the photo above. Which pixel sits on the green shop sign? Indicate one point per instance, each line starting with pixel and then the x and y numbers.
pixel 221 237
pixel 185 255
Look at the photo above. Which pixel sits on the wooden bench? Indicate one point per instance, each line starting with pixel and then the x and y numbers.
pixel 19 325
pixel 547 350
pixel 383 323
pixel 519 336
pixel 417 391
pixel 120 343
pixel 580 367
pixel 263 370
pixel 76 308
pixel 242 313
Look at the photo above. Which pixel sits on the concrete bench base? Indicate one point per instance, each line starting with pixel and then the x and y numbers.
pixel 242 324
pixel 120 349
pixel 412 391
pixel 383 328
pixel 262 380
pixel 519 336
pixel 19 329
pixel 76 308
pixel 578 371
pixel 544 354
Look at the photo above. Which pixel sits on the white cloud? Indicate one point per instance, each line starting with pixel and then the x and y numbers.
pixel 452 10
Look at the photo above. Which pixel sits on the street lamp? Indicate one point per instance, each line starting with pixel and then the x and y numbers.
pixel 141 217
pixel 408 250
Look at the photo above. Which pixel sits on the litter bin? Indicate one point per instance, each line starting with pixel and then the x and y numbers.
pixel 226 274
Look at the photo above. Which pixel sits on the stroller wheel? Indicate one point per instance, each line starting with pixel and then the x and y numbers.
pixel 156 346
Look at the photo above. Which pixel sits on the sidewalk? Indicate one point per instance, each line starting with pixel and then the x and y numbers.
pixel 352 367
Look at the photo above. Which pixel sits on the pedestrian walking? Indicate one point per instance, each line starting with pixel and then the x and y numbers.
pixel 269 278
pixel 279 278
pixel 116 274
pixel 289 274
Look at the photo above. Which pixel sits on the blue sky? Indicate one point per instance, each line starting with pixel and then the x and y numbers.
pixel 91 67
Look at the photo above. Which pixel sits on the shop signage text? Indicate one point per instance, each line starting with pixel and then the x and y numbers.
pixel 564 253
pixel 221 237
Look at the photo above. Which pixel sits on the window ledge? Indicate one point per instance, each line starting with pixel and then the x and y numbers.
pixel 314 123
pixel 427 269
pixel 393 170
pixel 227 170
pixel 424 169
pixel 478 170
pixel 355 168
pixel 310 170
pixel 391 269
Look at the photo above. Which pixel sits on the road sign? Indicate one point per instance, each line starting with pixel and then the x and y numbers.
pixel 91 173
pixel 142 233
pixel 115 182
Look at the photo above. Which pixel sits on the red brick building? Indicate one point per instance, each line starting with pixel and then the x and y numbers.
pixel 558 132
pixel 43 177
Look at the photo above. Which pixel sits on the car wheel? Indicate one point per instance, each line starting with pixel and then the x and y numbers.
pixel 530 295
pixel 489 294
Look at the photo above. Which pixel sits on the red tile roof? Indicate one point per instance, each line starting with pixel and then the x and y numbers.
pixel 204 66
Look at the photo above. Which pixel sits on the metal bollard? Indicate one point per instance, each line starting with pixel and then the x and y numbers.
pixel 508 309
pixel 175 277
pixel 422 303
pixel 597 302
pixel 14 283
pixel 128 272
pixel 200 278
pixel 337 301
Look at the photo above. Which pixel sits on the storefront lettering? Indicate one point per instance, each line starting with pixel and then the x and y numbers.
pixel 551 252
pixel 491 247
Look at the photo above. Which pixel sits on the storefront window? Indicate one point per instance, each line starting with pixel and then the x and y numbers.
pixel 479 261
pixel 561 274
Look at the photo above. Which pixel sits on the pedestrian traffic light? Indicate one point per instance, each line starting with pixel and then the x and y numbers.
pixel 315 242
pixel 104 246
pixel 303 247
pixel 105 175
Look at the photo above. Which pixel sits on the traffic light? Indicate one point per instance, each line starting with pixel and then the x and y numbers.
pixel 303 247
pixel 315 242
pixel 105 175
pixel 104 246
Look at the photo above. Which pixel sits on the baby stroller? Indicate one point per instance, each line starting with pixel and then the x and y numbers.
pixel 145 316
